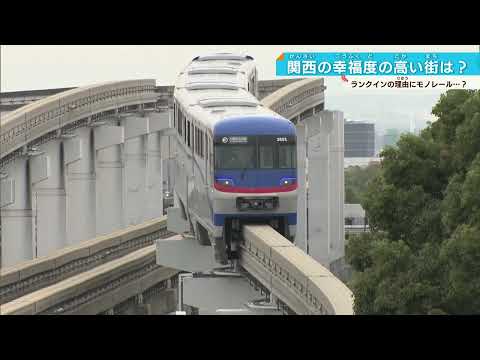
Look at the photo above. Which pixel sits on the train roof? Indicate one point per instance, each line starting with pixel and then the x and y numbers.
pixel 215 87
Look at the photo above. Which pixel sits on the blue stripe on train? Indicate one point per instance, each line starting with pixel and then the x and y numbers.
pixel 219 219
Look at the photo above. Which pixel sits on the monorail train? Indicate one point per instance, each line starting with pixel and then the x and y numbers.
pixel 235 160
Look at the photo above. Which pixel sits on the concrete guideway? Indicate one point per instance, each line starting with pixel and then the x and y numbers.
pixel 90 291
pixel 297 99
pixel 287 272
pixel 32 275
pixel 36 119
pixel 300 282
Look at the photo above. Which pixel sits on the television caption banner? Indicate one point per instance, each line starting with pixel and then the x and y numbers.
pixel 381 70
pixel 378 64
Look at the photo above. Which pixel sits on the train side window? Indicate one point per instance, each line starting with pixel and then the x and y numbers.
pixel 184 129
pixel 182 125
pixel 189 135
pixel 197 141
pixel 174 115
pixel 206 146
pixel 200 143
pixel 212 155
pixel 179 120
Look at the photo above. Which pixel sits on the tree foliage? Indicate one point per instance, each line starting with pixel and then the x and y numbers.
pixel 423 203
pixel 357 180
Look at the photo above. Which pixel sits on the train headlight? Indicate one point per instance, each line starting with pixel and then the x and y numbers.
pixel 286 181
pixel 225 182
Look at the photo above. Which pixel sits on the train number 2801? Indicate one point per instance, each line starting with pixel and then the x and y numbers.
pixel 282 139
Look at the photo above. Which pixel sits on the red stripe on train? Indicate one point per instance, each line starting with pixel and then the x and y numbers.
pixel 254 190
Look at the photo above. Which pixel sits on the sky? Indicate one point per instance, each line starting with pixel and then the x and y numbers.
pixel 30 67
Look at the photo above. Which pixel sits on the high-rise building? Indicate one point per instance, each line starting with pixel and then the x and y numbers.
pixel 359 138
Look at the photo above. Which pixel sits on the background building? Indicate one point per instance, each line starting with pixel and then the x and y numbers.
pixel 359 137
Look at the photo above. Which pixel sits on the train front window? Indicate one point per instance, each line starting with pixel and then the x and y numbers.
pixel 255 152
pixel 266 156
pixel 235 157
pixel 287 156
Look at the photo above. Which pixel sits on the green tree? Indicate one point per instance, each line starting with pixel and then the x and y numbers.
pixel 423 253
pixel 414 162
pixel 357 180
pixel 461 257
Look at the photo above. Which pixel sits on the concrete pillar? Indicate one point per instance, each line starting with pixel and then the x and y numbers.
pixel 167 162
pixel 301 230
pixel 80 186
pixel 109 169
pixel 48 198
pixel 336 186
pixel 326 237
pixel 16 213
pixel 154 201
pixel 318 189
pixel 135 157
pixel 158 122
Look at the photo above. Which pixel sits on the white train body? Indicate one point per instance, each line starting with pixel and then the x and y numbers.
pixel 235 160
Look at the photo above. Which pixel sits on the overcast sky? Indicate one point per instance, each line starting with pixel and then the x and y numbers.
pixel 41 67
